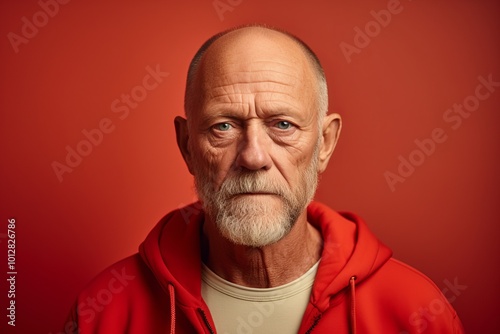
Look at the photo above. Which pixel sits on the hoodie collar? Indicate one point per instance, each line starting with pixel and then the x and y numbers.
pixel 172 250
pixel 350 249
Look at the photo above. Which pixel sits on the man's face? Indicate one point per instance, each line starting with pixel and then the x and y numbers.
pixel 254 136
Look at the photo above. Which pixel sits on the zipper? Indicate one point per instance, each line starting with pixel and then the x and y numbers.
pixel 315 323
pixel 205 320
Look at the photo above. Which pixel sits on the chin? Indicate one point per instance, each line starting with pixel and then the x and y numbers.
pixel 254 229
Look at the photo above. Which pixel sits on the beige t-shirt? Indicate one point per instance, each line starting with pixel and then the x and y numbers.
pixel 238 309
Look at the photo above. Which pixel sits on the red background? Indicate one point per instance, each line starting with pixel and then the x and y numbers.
pixel 442 220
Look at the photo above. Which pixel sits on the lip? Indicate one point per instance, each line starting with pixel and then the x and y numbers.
pixel 256 194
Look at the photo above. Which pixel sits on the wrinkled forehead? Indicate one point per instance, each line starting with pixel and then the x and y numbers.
pixel 256 50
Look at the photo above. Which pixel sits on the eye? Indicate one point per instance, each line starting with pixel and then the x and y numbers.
pixel 222 126
pixel 283 125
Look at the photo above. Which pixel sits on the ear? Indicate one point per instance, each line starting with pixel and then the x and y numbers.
pixel 182 136
pixel 332 124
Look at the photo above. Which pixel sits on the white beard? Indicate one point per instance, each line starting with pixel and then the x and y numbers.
pixel 256 220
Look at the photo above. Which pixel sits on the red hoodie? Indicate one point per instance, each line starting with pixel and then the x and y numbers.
pixel 358 287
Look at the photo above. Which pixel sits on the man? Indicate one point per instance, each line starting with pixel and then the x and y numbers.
pixel 256 255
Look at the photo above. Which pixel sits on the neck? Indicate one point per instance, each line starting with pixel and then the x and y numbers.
pixel 263 267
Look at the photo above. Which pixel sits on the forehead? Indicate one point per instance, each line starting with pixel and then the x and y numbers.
pixel 253 61
pixel 255 48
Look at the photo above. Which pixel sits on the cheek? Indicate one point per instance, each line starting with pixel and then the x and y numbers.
pixel 293 157
pixel 215 162
pixel 292 163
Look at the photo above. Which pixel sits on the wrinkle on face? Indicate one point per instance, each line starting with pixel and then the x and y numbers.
pixel 254 87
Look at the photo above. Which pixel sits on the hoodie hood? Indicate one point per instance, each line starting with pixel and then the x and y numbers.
pixel 351 252
pixel 172 251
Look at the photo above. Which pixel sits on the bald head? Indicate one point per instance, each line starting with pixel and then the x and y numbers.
pixel 244 45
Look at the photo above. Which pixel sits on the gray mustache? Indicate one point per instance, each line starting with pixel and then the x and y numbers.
pixel 251 183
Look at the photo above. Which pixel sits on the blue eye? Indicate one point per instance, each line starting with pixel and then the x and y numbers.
pixel 283 125
pixel 222 126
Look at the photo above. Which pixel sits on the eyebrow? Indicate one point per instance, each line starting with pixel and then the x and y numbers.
pixel 233 111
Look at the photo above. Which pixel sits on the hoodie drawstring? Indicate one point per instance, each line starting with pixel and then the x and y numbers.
pixel 352 285
pixel 352 319
pixel 171 292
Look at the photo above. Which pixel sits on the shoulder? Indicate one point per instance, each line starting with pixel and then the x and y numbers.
pixel 411 296
pixel 124 290
pixel 398 271
pixel 126 274
pixel 404 283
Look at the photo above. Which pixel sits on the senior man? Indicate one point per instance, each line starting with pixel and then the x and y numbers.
pixel 255 255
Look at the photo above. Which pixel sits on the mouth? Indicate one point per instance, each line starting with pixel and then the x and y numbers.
pixel 255 194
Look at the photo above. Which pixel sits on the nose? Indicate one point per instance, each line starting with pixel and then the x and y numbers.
pixel 253 151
